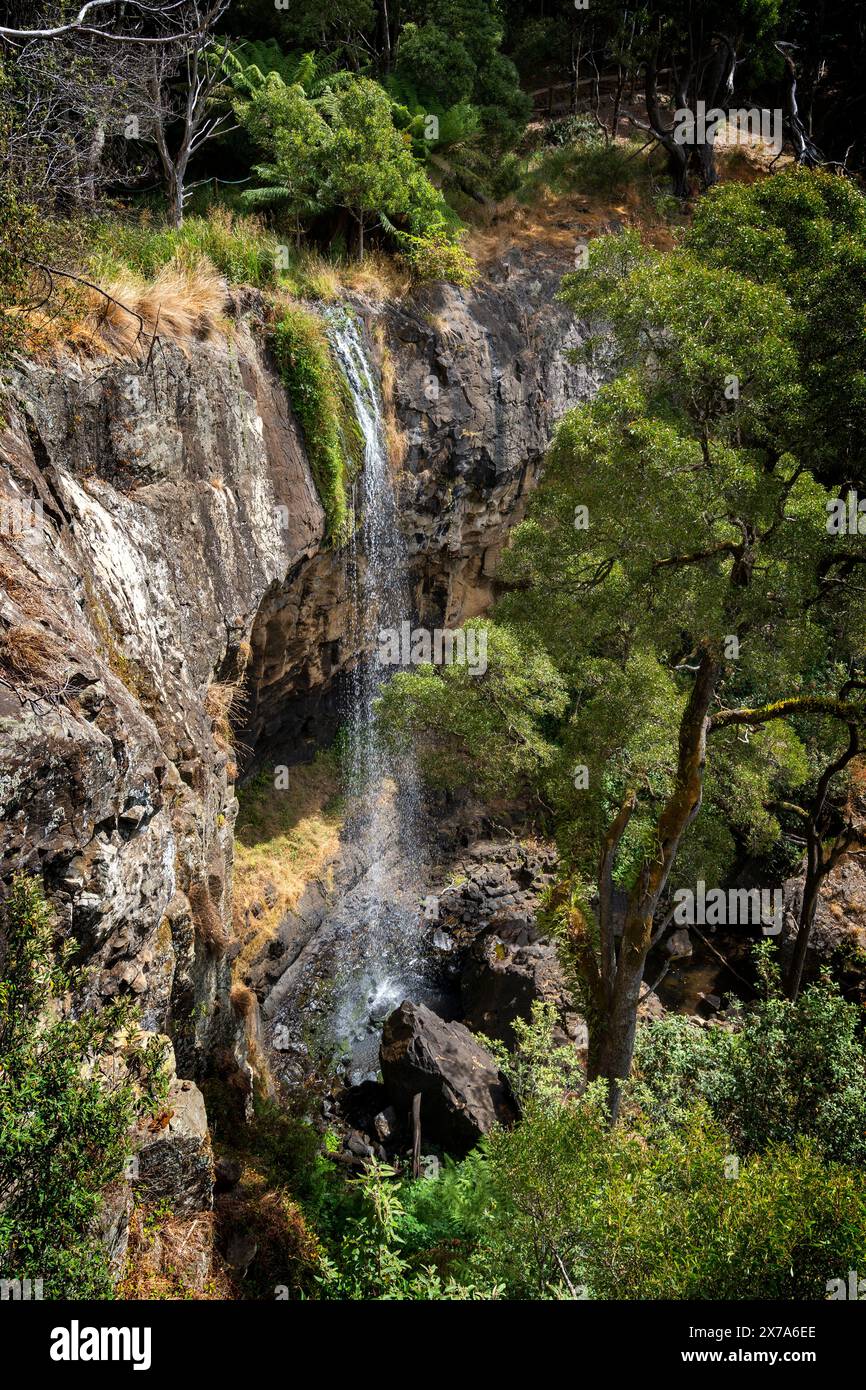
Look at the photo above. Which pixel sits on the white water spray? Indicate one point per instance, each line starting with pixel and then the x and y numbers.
pixel 384 960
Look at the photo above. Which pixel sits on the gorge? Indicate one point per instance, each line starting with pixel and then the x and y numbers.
pixel 184 554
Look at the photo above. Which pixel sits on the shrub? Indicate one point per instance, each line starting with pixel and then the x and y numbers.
pixel 372 1264
pixel 790 1069
pixel 341 152
pixel 71 1088
pixel 629 1214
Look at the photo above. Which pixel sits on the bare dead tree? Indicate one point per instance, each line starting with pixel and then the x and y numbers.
pixel 66 138
pixel 805 149
pixel 89 113
pixel 121 24
pixel 177 93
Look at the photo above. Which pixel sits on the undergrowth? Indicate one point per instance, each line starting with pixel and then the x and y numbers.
pixel 322 402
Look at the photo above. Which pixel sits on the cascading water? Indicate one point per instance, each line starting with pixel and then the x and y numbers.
pixel 382 959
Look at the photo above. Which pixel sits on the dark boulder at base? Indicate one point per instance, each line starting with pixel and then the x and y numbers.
pixel 509 966
pixel 463 1092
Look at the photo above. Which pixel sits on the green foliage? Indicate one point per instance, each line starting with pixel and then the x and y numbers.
pixel 453 56
pixel 457 718
pixel 440 59
pixel 538 1070
pixel 323 405
pixel 577 160
pixel 71 1088
pixel 789 1070
pixel 561 1206
pixel 577 1209
pixel 573 129
pixel 248 66
pixel 287 1146
pixel 239 247
pixel 372 1264
pixel 341 150
pixel 803 234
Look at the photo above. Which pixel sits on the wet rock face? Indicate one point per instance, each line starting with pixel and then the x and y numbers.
pixel 463 1093
pixel 480 378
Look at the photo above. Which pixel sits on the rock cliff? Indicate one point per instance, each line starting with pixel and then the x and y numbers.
pixel 180 566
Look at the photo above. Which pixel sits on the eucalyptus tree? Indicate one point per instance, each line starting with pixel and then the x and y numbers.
pixel 677 573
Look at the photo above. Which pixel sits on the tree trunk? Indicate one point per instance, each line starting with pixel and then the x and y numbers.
pixel 94 157
pixel 819 861
pixel 386 38
pixel 617 1044
pixel 678 162
pixel 808 908
pixel 617 103
pixel 175 199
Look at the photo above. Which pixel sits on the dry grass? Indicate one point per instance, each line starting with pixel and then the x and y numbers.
pixel 283 841
pixel 19 585
pixel 185 302
pixel 316 278
pixel 396 442
pixel 168 1256
pixel 552 220
pixel 222 700
pixel 379 277
pixel 32 653
pixel 288 1251
pixel 242 999
pixel 207 923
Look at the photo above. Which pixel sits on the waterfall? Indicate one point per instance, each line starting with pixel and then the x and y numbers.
pixel 383 962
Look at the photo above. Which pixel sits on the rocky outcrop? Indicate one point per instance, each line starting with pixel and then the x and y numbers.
pixel 510 967
pixel 183 548
pixel 481 376
pixel 180 565
pixel 173 1162
pixel 494 879
pixel 463 1093
pixel 124 619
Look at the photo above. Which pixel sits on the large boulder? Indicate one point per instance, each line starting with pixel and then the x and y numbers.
pixel 463 1093
pixel 509 966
